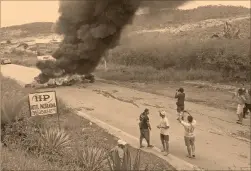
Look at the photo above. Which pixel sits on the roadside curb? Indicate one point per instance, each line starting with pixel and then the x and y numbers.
pixel 175 162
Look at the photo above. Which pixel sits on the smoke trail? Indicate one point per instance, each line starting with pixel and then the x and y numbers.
pixel 90 28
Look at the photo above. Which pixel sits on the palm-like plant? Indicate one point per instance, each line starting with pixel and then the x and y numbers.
pixel 115 163
pixel 92 159
pixel 54 140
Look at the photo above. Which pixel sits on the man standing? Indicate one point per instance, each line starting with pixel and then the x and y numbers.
pixel 164 135
pixel 189 135
pixel 180 96
pixel 145 128
pixel 247 103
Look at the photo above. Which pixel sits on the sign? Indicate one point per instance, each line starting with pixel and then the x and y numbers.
pixel 43 103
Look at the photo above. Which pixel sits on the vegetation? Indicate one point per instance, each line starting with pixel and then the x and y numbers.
pixel 182 59
pixel 38 143
pixel 172 17
pixel 187 55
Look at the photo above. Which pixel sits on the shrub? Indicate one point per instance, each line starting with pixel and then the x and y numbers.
pixel 228 57
pixel 91 158
pixel 126 165
pixel 53 140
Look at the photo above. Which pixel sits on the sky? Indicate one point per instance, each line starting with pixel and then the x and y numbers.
pixel 21 12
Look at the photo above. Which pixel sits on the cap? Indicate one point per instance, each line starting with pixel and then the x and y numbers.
pixel 163 113
pixel 121 142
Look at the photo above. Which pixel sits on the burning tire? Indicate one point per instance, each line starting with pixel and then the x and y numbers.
pixel 90 77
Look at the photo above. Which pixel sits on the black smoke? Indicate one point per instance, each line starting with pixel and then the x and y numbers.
pixel 90 28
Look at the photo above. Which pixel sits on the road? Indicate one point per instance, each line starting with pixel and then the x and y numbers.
pixel 218 146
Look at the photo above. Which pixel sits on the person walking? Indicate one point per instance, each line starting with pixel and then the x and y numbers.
pixel 189 136
pixel 164 133
pixel 180 96
pixel 247 106
pixel 145 128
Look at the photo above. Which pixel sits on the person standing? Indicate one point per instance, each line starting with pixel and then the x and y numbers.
pixel 145 128
pixel 189 135
pixel 240 96
pixel 164 135
pixel 180 96
pixel 247 106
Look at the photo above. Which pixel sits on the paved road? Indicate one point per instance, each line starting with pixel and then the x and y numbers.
pixel 217 148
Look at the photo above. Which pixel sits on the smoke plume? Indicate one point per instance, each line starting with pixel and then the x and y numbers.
pixel 90 28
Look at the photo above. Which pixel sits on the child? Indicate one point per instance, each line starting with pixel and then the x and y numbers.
pixel 180 96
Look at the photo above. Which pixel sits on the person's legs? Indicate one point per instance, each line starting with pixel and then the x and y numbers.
pixel 167 143
pixel 162 142
pixel 182 112
pixel 178 112
pixel 245 110
pixel 239 113
pixel 248 108
pixel 141 137
pixel 188 146
pixel 192 142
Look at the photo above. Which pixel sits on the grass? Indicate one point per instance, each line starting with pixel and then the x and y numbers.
pixel 182 59
pixel 27 140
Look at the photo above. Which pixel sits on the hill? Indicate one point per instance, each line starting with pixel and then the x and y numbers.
pixel 183 47
pixel 156 18
pixel 25 30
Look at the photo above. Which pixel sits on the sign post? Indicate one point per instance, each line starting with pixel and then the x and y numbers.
pixel 43 103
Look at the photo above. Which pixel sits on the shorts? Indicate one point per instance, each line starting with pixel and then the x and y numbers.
pixel 189 140
pixel 180 108
pixel 144 133
pixel 164 137
pixel 240 108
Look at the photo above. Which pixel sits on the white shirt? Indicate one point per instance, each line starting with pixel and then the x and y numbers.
pixel 189 128
pixel 163 123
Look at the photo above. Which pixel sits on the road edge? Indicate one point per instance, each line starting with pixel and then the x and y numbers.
pixel 173 161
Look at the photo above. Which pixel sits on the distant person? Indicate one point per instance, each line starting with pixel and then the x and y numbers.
pixel 120 150
pixel 247 106
pixel 180 96
pixel 189 135
pixel 145 128
pixel 240 96
pixel 164 133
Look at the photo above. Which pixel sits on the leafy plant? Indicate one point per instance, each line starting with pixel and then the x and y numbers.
pixel 92 159
pixel 115 164
pixel 54 140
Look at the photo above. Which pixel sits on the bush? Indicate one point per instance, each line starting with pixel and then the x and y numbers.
pixel 228 57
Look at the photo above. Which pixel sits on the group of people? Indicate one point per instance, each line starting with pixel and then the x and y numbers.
pixel 243 97
pixel 164 126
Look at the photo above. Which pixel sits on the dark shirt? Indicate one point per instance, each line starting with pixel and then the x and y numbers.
pixel 181 98
pixel 144 121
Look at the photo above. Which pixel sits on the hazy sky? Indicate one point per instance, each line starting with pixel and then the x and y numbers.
pixel 20 12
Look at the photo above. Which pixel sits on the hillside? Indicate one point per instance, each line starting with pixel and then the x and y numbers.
pixel 155 19
pixel 25 30
pixel 183 47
